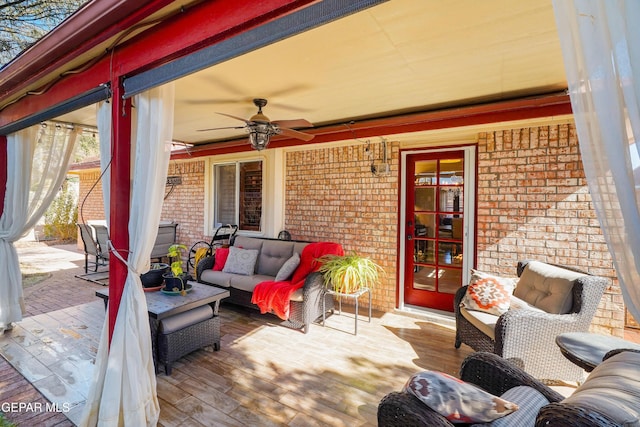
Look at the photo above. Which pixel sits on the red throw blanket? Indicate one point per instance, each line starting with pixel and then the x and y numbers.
pixel 274 296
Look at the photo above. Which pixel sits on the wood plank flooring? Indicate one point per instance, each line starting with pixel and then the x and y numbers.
pixel 269 375
pixel 264 374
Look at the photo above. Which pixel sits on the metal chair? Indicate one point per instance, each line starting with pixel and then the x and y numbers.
pixel 91 248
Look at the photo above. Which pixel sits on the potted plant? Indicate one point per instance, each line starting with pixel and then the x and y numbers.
pixel 176 279
pixel 154 277
pixel 349 273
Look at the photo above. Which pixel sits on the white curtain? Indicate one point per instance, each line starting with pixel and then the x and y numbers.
pixel 37 164
pixel 601 49
pixel 104 136
pixel 124 388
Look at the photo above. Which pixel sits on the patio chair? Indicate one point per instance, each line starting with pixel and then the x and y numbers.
pixel 549 300
pixel 102 236
pixel 91 248
pixel 607 398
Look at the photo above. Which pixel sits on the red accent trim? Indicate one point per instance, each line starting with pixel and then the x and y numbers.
pixel 503 111
pixel 93 24
pixel 200 26
pixel 3 171
pixel 120 196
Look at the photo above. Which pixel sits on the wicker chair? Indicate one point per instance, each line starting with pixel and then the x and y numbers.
pixel 588 406
pixel 527 337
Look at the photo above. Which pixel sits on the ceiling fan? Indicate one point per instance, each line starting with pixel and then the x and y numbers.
pixel 261 129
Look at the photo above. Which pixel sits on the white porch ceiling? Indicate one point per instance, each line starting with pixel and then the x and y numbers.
pixel 401 56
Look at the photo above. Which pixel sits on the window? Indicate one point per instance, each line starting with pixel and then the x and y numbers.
pixel 238 194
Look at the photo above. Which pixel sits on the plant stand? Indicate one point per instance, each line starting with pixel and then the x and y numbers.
pixel 356 295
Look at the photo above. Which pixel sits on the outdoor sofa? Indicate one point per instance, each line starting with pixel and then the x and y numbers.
pixel 303 306
pixel 609 397
pixel 548 300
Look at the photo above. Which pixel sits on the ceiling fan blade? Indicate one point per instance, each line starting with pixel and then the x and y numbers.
pixel 295 134
pixel 230 127
pixel 235 117
pixel 296 123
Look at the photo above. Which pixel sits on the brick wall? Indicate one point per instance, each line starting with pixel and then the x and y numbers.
pixel 185 204
pixel 533 202
pixel 90 206
pixel 331 195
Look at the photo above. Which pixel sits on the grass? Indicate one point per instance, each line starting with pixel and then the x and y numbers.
pixel 31 276
pixel 5 423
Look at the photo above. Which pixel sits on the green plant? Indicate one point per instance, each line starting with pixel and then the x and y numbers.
pixel 4 422
pixel 175 254
pixel 61 216
pixel 348 273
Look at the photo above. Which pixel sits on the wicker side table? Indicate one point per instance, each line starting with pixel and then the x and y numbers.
pixel 355 295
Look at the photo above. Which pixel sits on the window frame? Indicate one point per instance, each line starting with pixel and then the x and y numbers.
pixel 214 207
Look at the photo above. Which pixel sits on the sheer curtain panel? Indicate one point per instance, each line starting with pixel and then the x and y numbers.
pixel 600 43
pixel 124 389
pixel 37 164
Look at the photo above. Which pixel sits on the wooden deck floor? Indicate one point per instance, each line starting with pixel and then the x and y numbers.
pixel 264 374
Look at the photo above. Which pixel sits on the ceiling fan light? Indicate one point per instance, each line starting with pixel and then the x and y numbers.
pixel 259 136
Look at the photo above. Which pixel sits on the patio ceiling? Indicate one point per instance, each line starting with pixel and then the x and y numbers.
pixel 399 57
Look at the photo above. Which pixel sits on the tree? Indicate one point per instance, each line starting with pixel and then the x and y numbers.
pixel 23 22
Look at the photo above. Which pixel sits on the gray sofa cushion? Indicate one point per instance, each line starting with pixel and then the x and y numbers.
pixel 273 255
pixel 218 278
pixel 547 287
pixel 180 321
pixel 248 283
pixel 613 388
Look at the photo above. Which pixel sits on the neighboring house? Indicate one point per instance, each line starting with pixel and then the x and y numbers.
pixel 443 141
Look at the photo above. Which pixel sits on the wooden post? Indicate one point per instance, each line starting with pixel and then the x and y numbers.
pixel 120 197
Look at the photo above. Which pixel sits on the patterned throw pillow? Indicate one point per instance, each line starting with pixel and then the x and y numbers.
pixel 241 261
pixel 456 400
pixel 488 293
pixel 289 266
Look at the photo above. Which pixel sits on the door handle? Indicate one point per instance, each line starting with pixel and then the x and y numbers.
pixel 409 237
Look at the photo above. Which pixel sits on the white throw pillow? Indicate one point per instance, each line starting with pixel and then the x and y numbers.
pixel 241 261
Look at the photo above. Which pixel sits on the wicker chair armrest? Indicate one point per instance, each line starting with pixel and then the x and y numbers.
pixel 566 415
pixel 617 351
pixel 531 326
pixel 313 284
pixel 519 318
pixel 458 298
pixel 496 375
pixel 400 409
pixel 205 263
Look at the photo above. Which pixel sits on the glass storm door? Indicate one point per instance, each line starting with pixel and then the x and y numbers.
pixel 434 229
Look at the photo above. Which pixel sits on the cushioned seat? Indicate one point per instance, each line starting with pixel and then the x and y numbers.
pixel 548 300
pixel 609 397
pixel 186 332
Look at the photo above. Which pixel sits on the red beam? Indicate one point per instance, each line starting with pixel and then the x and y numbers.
pixel 93 24
pixel 200 26
pixel 120 196
pixel 504 111
pixel 3 171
